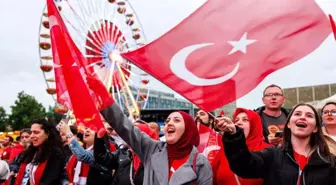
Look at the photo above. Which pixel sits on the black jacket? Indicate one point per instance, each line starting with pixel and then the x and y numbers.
pixel 120 161
pixel 67 152
pixel 265 128
pixel 99 175
pixel 53 171
pixel 275 166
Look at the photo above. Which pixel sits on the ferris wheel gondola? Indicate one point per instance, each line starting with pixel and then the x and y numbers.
pixel 101 29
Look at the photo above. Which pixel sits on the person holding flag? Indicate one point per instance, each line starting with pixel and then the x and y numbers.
pixel 173 162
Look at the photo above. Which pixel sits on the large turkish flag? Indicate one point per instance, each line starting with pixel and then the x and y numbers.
pixel 70 68
pixel 227 47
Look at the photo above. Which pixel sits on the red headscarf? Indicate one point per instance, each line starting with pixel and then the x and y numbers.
pixel 189 138
pixel 152 134
pixel 255 140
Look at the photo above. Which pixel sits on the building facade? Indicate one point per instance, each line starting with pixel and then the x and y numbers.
pixel 159 100
pixel 308 94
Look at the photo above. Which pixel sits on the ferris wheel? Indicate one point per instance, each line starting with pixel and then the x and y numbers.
pixel 101 29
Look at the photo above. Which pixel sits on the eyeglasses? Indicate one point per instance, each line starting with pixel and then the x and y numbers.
pixel 273 94
pixel 327 112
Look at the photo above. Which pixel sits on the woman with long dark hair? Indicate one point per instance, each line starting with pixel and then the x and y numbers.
pixel 304 159
pixel 43 161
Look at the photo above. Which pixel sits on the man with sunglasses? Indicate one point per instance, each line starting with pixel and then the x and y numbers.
pixel 272 114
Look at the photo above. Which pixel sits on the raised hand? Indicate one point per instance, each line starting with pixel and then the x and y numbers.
pixel 225 124
pixel 101 133
pixel 103 97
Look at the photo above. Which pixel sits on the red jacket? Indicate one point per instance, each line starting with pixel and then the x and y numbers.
pixel 16 150
pixel 222 174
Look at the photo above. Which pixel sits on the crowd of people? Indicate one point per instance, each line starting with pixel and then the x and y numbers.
pixel 269 145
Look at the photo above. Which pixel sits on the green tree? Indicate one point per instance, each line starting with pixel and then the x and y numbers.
pixel 3 119
pixel 25 109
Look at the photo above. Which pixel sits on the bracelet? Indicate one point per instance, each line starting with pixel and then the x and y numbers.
pixel 69 136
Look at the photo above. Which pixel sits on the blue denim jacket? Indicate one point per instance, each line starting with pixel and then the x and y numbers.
pixel 85 156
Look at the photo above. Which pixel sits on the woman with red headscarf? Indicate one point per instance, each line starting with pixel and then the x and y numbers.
pixel 250 122
pixel 175 161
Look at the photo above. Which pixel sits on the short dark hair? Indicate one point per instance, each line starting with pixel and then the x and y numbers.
pixel 18 138
pixel 10 138
pixel 25 130
pixel 272 85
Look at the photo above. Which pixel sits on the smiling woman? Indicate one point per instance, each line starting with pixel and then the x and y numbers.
pixel 304 150
pixel 328 112
pixel 164 163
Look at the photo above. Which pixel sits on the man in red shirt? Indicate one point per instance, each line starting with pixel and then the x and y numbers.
pixel 8 140
pixel 22 145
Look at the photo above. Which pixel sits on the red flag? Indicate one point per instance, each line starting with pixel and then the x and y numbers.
pixel 210 142
pixel 333 26
pixel 227 47
pixel 221 114
pixel 70 65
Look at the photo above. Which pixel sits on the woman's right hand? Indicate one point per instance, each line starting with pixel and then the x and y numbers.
pixel 103 98
pixel 65 128
pixel 101 133
pixel 225 124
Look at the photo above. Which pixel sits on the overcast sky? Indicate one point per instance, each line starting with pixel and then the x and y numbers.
pixel 20 59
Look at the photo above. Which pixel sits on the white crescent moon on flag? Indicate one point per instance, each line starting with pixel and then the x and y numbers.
pixel 209 149
pixel 179 68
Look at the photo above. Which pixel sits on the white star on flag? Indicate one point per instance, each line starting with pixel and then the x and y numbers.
pixel 241 44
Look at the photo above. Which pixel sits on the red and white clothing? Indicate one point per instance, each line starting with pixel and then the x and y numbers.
pixel 176 164
pixel 77 171
pixel 6 153
pixel 255 142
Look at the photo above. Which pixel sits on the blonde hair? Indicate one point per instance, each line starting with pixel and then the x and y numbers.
pixel 330 142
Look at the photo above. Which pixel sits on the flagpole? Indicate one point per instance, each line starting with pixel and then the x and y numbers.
pixel 137 112
pixel 217 119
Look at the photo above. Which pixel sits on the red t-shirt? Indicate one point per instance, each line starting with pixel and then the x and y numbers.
pixel 175 164
pixel 302 161
pixel 6 153
pixel 16 150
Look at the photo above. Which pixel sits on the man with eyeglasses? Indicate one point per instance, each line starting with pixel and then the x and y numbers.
pixel 272 114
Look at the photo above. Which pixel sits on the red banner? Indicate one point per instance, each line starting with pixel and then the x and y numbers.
pixel 70 71
pixel 210 142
